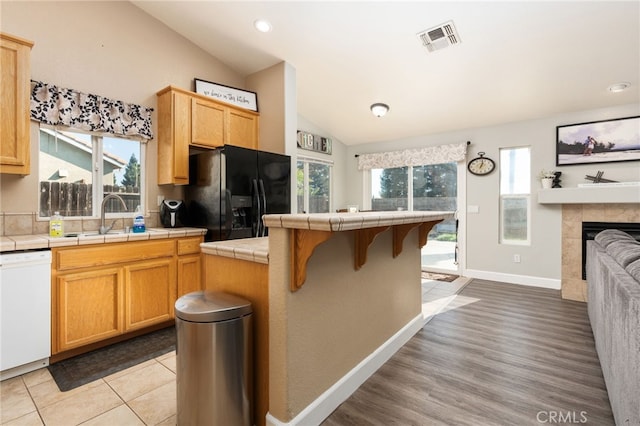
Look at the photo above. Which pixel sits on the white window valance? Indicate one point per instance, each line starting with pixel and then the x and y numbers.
pixel 414 157
pixel 66 107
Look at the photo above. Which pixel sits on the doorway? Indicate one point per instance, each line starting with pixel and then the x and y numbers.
pixel 435 188
pixel 432 187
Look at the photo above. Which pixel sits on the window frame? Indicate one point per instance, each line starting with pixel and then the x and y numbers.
pixel 508 241
pixel 305 170
pixel 515 195
pixel 97 151
pixel 410 183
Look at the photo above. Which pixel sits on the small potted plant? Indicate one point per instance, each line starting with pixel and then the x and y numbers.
pixel 546 178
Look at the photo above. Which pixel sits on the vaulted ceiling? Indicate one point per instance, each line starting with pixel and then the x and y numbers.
pixel 515 60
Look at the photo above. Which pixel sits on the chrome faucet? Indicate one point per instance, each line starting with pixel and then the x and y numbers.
pixel 104 229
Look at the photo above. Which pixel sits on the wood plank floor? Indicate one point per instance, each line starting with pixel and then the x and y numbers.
pixel 502 354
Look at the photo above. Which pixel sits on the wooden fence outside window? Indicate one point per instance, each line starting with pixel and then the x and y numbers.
pixel 75 199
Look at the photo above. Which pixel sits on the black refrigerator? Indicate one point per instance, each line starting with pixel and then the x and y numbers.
pixel 231 188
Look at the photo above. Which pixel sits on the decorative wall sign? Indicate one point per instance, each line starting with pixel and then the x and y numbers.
pixel 230 95
pixel 313 142
pixel 604 141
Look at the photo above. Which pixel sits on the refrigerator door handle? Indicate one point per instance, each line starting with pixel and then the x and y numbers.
pixel 264 208
pixel 258 219
pixel 228 223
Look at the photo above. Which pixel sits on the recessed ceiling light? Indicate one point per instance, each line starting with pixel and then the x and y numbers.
pixel 262 25
pixel 379 109
pixel 619 87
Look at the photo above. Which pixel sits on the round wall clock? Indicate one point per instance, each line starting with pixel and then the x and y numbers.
pixel 481 165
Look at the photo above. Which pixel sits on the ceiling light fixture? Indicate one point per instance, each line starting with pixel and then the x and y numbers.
pixel 619 87
pixel 262 25
pixel 379 109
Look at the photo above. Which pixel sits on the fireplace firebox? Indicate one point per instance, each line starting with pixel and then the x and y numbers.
pixel 591 229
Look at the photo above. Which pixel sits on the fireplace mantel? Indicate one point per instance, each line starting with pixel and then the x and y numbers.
pixel 593 194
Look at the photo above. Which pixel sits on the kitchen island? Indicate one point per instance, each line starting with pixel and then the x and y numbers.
pixel 335 295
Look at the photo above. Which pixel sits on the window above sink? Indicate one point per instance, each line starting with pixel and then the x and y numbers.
pixel 78 169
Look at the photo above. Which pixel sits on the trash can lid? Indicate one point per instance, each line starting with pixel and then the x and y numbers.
pixel 211 306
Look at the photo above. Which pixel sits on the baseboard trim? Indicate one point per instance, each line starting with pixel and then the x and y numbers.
pixel 326 403
pixel 514 279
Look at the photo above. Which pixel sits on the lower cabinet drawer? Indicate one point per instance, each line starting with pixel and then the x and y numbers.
pixel 110 254
pixel 189 245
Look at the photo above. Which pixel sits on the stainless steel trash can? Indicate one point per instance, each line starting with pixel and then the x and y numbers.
pixel 213 359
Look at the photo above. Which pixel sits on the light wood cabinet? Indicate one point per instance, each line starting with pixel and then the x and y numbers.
pixel 174 137
pixel 190 120
pixel 15 75
pixel 150 293
pixel 189 274
pixel 89 307
pixel 103 291
pixel 242 129
pixel 189 266
pixel 249 280
pixel 207 123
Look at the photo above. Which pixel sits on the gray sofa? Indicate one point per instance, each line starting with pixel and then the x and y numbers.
pixel 613 294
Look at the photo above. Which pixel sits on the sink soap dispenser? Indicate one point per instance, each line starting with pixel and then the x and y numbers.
pixel 56 225
pixel 138 221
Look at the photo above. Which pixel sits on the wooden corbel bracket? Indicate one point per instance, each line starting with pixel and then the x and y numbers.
pixel 399 234
pixel 363 239
pixel 424 230
pixel 303 243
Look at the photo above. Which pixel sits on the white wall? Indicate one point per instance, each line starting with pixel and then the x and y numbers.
pixel 484 257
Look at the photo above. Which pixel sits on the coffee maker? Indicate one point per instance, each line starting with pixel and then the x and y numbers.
pixel 172 213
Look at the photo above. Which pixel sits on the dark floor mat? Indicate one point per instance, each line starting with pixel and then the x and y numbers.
pixel 82 369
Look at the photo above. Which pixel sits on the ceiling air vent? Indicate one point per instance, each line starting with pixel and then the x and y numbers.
pixel 439 37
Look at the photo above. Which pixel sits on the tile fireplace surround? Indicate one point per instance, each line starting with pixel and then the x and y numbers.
pixel 573 286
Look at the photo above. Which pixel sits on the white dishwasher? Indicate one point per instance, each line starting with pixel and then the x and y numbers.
pixel 25 312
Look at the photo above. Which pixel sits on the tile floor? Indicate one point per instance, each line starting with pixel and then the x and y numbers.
pixel 437 295
pixel 141 395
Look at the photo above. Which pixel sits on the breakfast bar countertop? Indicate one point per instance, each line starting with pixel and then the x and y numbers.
pixel 257 249
pixel 352 221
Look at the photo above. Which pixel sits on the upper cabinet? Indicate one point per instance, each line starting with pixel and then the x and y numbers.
pixel 15 75
pixel 187 119
pixel 207 123
pixel 242 126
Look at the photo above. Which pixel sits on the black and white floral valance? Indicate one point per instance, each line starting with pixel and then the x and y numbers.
pixel 413 157
pixel 57 106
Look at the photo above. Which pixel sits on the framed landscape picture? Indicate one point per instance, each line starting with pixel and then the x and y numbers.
pixel 604 141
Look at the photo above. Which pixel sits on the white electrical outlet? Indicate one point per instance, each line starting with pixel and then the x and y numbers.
pixel 516 258
pixel 160 199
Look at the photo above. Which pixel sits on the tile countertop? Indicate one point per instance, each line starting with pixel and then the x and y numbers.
pixel 352 221
pixel 43 241
pixel 251 249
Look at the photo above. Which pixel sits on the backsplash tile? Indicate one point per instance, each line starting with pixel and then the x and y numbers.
pixel 40 226
pixel 18 224
pixel 30 224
